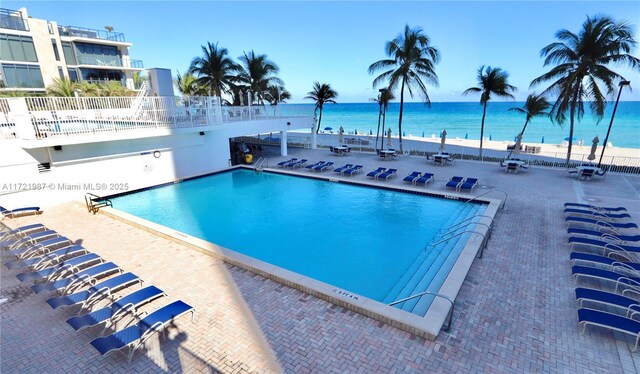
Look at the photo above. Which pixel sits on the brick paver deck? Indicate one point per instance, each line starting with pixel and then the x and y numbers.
pixel 516 311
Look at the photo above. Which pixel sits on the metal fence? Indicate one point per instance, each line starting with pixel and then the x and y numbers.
pixel 52 117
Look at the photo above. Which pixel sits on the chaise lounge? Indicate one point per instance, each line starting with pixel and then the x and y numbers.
pixel 13 213
pixel 610 321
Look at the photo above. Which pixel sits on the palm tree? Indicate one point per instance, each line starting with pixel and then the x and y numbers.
pixel 138 79
pixel 88 88
pixel 490 81
pixel 215 70
pixel 581 68
pixel 535 106
pixel 410 65
pixel 321 94
pixel 62 88
pixel 383 100
pixel 277 94
pixel 258 73
pixel 188 85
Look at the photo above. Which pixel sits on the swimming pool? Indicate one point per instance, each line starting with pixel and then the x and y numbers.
pixel 364 241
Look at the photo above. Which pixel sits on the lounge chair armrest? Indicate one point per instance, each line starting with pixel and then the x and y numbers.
pixel 31 252
pixel 78 282
pixel 625 268
pixel 145 336
pixel 95 298
pixel 60 272
pixel 627 282
pixel 46 261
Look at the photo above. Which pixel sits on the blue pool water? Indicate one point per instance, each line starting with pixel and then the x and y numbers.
pixel 356 238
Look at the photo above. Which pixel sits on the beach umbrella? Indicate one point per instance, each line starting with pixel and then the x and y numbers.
pixel 542 141
pixel 594 146
pixel 340 132
pixel 328 128
pixel 370 132
pixel 490 137
pixel 443 139
pixel 568 138
pixel 423 134
pixel 404 133
pixel 389 139
pixel 466 135
pixel 516 148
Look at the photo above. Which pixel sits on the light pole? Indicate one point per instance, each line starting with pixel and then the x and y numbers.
pixel 615 107
pixel 383 92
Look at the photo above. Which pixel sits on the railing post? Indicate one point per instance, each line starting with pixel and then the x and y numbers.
pixel 21 117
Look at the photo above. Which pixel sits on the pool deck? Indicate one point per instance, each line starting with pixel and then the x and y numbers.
pixel 516 311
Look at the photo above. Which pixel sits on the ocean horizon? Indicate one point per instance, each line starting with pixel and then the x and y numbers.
pixel 463 120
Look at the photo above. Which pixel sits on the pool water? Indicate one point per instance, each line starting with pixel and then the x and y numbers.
pixel 359 239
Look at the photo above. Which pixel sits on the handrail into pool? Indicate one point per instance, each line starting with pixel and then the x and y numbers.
pixel 259 165
pixel 470 218
pixel 450 319
pixel 95 202
pixel 506 196
pixel 449 231
pixel 482 245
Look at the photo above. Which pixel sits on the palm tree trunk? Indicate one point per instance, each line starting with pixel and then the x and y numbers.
pixel 573 112
pixel 484 114
pixel 400 117
pixel 319 120
pixel 525 126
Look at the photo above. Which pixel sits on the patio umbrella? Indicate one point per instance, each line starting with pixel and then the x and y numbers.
pixel 340 132
pixel 443 139
pixel 594 146
pixel 389 138
pixel 516 148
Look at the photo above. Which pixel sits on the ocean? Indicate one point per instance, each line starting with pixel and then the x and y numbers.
pixel 462 120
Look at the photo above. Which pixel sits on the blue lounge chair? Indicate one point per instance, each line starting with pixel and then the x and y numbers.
pixel 29 240
pixel 298 164
pixel 595 260
pixel 412 177
pixel 622 276
pixel 390 173
pixel 124 306
pixel 425 179
pixel 353 171
pixel 592 214
pixel 611 321
pixel 311 166
pixel 630 306
pixel 41 248
pixel 135 336
pixel 96 293
pixel 595 208
pixel 342 168
pixel 601 244
pixel 454 182
pixel 582 221
pixel 375 173
pixel 607 236
pixel 20 232
pixel 468 184
pixel 83 278
pixel 51 258
pixel 285 163
pixel 324 167
pixel 59 271
pixel 6 213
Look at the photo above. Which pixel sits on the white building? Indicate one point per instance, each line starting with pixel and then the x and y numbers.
pixel 33 52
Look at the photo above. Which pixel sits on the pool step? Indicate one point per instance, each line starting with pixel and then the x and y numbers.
pixel 423 257
pixel 430 268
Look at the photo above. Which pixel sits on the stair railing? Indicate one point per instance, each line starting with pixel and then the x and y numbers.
pixel 449 315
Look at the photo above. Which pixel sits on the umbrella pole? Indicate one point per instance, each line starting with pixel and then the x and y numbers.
pixel 379 115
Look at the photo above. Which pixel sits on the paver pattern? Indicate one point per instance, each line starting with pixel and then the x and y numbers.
pixel 516 311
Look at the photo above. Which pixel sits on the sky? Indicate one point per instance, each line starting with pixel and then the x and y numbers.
pixel 335 42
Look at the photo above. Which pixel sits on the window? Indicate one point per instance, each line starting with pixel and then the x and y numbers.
pixel 73 75
pixel 22 76
pixel 17 48
pixel 69 55
pixel 61 73
pixel 55 49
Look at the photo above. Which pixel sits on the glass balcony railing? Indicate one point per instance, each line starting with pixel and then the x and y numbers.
pixel 83 32
pixel 12 19
pixel 137 64
pixel 99 60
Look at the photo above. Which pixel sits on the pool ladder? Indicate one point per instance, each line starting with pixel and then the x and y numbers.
pixel 260 164
pixel 95 202
pixel 454 231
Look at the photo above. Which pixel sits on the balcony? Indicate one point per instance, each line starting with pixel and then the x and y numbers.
pixel 12 19
pixel 83 32
pixel 136 64
pixel 99 60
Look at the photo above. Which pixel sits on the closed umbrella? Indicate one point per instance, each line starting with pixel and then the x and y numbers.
pixel 389 139
pixel 340 132
pixel 594 146
pixel 516 148
pixel 443 139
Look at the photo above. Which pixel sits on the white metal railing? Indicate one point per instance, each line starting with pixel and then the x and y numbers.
pixel 50 117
